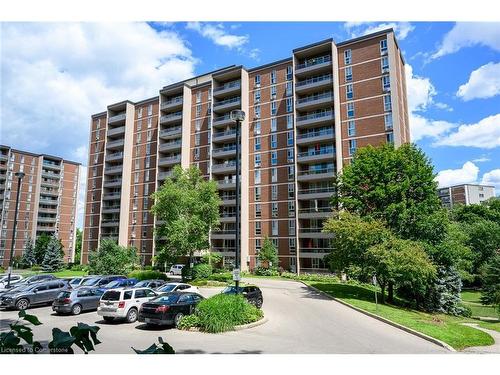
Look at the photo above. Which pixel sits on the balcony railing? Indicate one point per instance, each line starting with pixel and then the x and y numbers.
pixel 224 165
pixel 116 118
pixel 316 190
pixel 222 118
pixel 322 151
pixel 317 133
pixel 171 116
pixel 312 98
pixel 315 250
pixel 309 81
pixel 228 86
pixel 314 61
pixel 315 115
pixel 314 209
pixel 224 149
pixel 224 133
pixel 176 100
pixel 316 171
pixel 227 101
pixel 170 131
pixel 311 230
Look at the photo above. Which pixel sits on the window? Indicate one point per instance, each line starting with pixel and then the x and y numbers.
pixel 139 125
pixel 274 192
pixel 257 175
pixel 289 104
pixel 289 121
pixel 274 209
pixel 390 137
pixel 383 46
pixel 257 244
pixel 291 227
pixel 197 139
pixel 258 210
pixel 385 64
pixel 150 110
pixel 348 92
pixel 256 96
pixel 146 189
pixel 196 154
pixel 387 103
pixel 258 193
pixel 351 128
pixel 139 138
pixel 257 144
pixel 150 135
pixel 137 164
pixel 348 74
pixel 386 83
pixel 139 112
pixel 274 124
pixel 273 77
pixel 148 149
pixel 289 138
pixel 136 177
pixel 291 172
pixel 198 97
pixel 347 57
pixel 256 128
pixel 274 140
pixel 257 111
pixel 289 87
pixel 352 146
pixel 257 160
pixel 291 246
pixel 257 80
pixel 274 175
pixel 150 122
pixel 289 155
pixel 146 175
pixel 274 227
pixel 197 125
pixel 388 121
pixel 274 109
pixel 273 92
pixel 289 71
pixel 258 228
pixel 274 157
pixel 198 110
pixel 350 110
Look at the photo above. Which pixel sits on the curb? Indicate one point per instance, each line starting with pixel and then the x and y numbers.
pixel 387 321
pixel 236 328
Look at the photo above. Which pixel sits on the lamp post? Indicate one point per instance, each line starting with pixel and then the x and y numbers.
pixel 19 176
pixel 237 116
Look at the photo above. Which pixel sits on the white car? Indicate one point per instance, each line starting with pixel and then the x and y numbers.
pixel 123 303
pixel 177 287
pixel 176 269
pixel 14 279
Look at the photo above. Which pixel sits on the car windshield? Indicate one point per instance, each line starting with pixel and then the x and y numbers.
pixel 142 284
pixel 167 288
pixel 113 284
pixel 111 295
pixel 75 281
pixel 90 282
pixel 166 299
pixel 231 290
pixel 64 295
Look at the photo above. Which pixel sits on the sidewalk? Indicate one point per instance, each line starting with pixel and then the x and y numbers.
pixel 495 348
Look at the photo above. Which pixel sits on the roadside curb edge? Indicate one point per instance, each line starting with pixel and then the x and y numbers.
pixel 236 328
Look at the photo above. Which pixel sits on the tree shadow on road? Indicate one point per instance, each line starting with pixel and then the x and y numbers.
pixel 199 351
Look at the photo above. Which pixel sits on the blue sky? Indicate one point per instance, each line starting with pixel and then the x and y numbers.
pixel 54 76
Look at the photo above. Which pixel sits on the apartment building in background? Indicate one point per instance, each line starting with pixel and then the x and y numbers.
pixel 48 200
pixel 306 116
pixel 465 194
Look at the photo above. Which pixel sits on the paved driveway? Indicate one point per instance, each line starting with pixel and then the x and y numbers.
pixel 300 321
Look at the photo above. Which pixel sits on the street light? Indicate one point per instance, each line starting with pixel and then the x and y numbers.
pixel 19 176
pixel 237 116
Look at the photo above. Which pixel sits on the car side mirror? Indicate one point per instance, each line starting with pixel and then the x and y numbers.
pixel 35 291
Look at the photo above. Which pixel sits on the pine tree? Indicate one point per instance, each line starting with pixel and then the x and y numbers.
pixel 53 260
pixel 28 259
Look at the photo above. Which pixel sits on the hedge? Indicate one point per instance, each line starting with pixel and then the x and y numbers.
pixel 147 275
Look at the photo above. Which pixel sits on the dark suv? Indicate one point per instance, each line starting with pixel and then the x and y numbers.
pixel 33 294
pixel 252 294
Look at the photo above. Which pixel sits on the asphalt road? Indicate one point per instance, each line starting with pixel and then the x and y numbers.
pixel 300 320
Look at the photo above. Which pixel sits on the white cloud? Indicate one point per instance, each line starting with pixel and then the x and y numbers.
pixel 54 76
pixel 492 178
pixel 481 159
pixel 483 134
pixel 218 35
pixel 468 34
pixel 421 127
pixel 484 82
pixel 401 29
pixel 465 175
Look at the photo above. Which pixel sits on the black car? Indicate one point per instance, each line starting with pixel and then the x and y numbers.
pixel 33 294
pixel 99 281
pixel 252 293
pixel 169 308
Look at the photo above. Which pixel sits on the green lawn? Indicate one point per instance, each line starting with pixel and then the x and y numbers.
pixel 471 298
pixel 63 273
pixel 440 326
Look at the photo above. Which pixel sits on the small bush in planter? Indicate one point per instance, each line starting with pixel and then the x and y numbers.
pixel 222 276
pixel 189 321
pixel 202 271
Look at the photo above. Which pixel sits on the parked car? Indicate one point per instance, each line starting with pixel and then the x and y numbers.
pixel 177 287
pixel 252 294
pixel 77 300
pixel 33 294
pixel 176 269
pixel 123 303
pixel 169 308
pixel 75 282
pixel 37 278
pixel 153 284
pixel 14 279
pixel 119 283
pixel 99 281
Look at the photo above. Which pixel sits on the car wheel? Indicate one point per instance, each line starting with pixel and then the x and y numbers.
pixel 132 315
pixel 258 303
pixel 22 304
pixel 177 319
pixel 76 309
pixel 108 319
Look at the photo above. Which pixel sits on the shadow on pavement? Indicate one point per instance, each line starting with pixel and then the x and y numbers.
pixel 198 351
pixel 153 327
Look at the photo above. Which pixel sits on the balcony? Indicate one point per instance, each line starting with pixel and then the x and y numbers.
pixel 223 234
pixel 111 196
pixel 50 192
pixel 315 101
pixel 46 228
pixel 315 118
pixel 110 209
pixel 228 200
pixel 222 120
pixel 50 174
pixel 232 87
pixel 51 165
pixel 226 184
pixel 110 223
pixel 228 217
pixel 314 84
pixel 109 236
pixel 316 174
pixel 113 182
pixel 314 233
pixel 112 170
pixel 315 213
pixel 224 136
pixel 225 151
pixel 171 146
pixel 314 65
pixel 170 133
pixel 312 156
pixel 173 103
pixel 227 104
pixel 49 183
pixel 114 156
pixel 4 157
pixel 44 200
pixel 316 193
pixel 46 219
pixel 316 136
pixel 164 175
pixel 314 252
pixel 116 131
pixel 171 118
pixel 169 160
pixel 110 145
pixel 47 210
pixel 116 119
pixel 223 168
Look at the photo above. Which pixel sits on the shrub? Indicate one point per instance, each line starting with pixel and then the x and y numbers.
pixel 189 321
pixel 328 278
pixel 202 271
pixel 223 312
pixel 187 273
pixel 223 276
pixel 36 268
pixel 147 275
pixel 111 259
pixel 147 268
pixel 204 282
pixel 261 271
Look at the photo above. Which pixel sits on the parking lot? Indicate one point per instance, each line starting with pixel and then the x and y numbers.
pixel 299 321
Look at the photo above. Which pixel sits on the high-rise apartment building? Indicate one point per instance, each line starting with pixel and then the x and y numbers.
pixel 48 200
pixel 306 116
pixel 465 194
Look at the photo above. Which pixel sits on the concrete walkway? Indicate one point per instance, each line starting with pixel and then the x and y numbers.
pixel 495 348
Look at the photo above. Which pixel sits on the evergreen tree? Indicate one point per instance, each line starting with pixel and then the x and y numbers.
pixel 28 259
pixel 53 260
pixel 41 244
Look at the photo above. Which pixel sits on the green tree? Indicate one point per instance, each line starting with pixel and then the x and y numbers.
pixel 28 258
pixel 41 244
pixel 484 240
pixel 491 282
pixel 78 246
pixel 268 254
pixel 111 258
pixel 396 186
pixel 53 259
pixel 380 260
pixel 212 258
pixel 189 207
pixel 353 236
